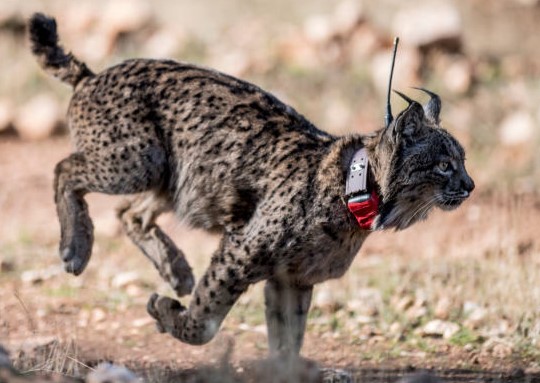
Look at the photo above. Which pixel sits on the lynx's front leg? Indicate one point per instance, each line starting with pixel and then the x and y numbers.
pixel 138 217
pixel 286 312
pixel 229 275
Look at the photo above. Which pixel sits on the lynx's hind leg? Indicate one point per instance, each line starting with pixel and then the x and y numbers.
pixel 138 216
pixel 76 229
pixel 84 172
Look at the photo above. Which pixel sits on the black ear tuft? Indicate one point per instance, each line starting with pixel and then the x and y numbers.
pixel 433 108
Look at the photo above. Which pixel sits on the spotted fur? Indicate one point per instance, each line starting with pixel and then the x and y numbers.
pixel 228 157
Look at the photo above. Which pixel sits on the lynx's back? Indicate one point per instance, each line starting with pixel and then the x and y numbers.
pixel 220 139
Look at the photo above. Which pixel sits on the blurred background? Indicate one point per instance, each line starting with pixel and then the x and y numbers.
pixel 465 283
pixel 329 59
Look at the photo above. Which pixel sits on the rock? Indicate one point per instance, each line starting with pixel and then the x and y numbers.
pixel 38 118
pixel 164 44
pixel 40 275
pixel 428 24
pixel 7 114
pixel 142 322
pixel 98 315
pixel 439 328
pixel 318 29
pixel 497 347
pixel 124 279
pixel 109 373
pixel 367 302
pixel 516 129
pixel 458 76
pixel 403 304
pixel 347 16
pixel 469 306
pixel 125 16
pixel 326 300
pixel 475 317
pixel 396 329
pixel 442 308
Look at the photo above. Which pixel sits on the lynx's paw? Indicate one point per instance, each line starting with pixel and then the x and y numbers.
pixel 76 252
pixel 166 311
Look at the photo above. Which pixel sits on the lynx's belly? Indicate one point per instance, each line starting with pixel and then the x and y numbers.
pixel 330 259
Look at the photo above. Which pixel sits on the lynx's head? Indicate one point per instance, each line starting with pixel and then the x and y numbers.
pixel 418 166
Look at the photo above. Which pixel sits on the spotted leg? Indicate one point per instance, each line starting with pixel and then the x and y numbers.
pixel 228 276
pixel 286 312
pixel 138 216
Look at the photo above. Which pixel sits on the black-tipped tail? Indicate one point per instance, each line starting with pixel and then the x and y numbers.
pixel 50 55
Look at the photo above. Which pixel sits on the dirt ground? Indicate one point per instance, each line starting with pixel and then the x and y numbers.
pixel 52 321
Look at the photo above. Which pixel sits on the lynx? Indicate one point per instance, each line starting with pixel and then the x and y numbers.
pixel 228 157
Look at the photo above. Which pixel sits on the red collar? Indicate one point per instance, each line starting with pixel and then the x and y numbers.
pixel 362 203
pixel 365 210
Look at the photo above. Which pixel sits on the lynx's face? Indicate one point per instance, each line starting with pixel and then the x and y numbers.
pixel 425 168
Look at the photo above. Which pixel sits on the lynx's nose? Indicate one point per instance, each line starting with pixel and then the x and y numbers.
pixel 467 184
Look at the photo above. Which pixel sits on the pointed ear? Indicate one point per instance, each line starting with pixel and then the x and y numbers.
pixel 409 123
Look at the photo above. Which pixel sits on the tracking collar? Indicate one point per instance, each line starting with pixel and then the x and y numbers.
pixel 362 203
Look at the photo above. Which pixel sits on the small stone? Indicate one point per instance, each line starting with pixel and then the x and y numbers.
pixel 142 322
pixel 164 43
pixel 416 312
pixel 125 15
pixel 124 279
pixel 347 16
pixel 38 118
pixel 442 308
pixel 318 29
pixel 109 373
pixel 395 329
pixel 98 315
pixel 498 348
pixel 476 317
pixel 516 129
pixel 404 303
pixel 439 328
pixel 38 276
pixel 326 300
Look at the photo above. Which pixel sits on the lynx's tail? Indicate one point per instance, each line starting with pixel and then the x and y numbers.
pixel 50 55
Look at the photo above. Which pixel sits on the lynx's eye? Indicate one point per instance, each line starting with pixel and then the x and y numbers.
pixel 444 167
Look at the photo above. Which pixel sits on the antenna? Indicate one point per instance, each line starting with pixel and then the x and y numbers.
pixel 388 118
